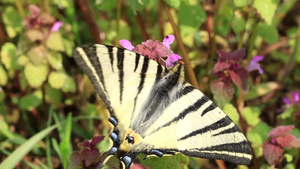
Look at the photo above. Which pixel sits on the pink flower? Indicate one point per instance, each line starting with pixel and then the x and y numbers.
pixel 56 26
pixel 294 99
pixel 254 65
pixel 279 138
pixel 168 40
pixel 126 44
pixel 229 72
pixel 155 50
pixel 170 61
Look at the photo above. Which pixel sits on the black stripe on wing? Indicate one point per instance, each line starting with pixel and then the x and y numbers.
pixel 190 109
pixel 120 58
pixel 218 124
pixel 111 57
pixel 142 79
pixel 237 153
pixel 90 53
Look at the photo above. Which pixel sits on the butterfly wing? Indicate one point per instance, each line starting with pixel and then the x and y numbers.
pixel 169 114
pixel 123 80
pixel 195 126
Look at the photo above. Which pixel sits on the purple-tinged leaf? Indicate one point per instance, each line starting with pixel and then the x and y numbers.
pixel 280 130
pixel 271 152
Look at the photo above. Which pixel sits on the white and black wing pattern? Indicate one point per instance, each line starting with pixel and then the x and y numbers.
pixel 154 111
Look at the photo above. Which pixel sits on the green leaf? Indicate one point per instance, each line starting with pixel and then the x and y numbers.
pixel 57 79
pixel 37 54
pixel 12 21
pixel 287 113
pixel 137 5
pixel 175 161
pixel 268 32
pixel 173 3
pixel 241 3
pixel 190 18
pixel 69 45
pixel 31 101
pixel 64 146
pixel 2 97
pixel 266 9
pixel 8 56
pixel 3 76
pixel 36 75
pixel 231 111
pixel 238 24
pixel 251 115
pixel 69 85
pixel 261 89
pixel 55 60
pixel 259 133
pixel 55 42
pixel 22 60
pixel 14 158
pixel 53 95
pixel 23 81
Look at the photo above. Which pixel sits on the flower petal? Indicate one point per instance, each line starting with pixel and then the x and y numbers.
pixel 223 54
pixel 238 54
pixel 254 65
pixel 221 65
pixel 295 96
pixel 168 40
pixel 257 58
pixel 56 26
pixel 286 101
pixel 172 59
pixel 240 78
pixel 126 44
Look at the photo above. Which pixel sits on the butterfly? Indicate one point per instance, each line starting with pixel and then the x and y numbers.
pixel 154 111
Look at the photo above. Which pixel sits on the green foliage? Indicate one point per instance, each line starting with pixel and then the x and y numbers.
pixel 176 161
pixel 267 32
pixel 266 9
pixel 39 80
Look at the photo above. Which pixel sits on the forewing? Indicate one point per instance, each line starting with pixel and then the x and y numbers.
pixel 123 79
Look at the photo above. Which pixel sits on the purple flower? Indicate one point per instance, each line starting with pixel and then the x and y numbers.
pixel 155 50
pixel 294 100
pixel 254 65
pixel 172 59
pixel 168 40
pixel 126 44
pixel 56 26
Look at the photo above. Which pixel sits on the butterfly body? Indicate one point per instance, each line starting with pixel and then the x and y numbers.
pixel 155 112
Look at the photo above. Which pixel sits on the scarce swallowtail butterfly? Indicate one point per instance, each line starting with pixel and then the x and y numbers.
pixel 154 111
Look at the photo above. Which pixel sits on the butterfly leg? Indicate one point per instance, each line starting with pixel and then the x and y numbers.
pixel 127 159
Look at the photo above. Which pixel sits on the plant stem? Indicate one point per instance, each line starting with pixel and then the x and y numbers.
pixel 291 63
pixel 20 8
pixel 244 127
pixel 119 3
pixel 215 22
pixel 188 66
pixel 142 26
pixel 89 19
pixel 252 38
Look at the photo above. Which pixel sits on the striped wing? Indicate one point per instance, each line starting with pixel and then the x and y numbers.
pixel 123 80
pixel 195 126
pixel 157 104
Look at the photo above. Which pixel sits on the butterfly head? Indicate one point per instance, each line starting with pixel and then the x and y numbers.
pixel 130 139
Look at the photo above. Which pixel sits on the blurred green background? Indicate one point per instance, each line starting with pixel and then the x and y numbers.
pixel 48 106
